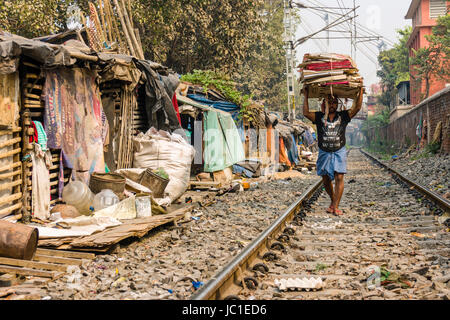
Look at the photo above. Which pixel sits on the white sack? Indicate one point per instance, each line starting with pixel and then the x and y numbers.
pixel 160 149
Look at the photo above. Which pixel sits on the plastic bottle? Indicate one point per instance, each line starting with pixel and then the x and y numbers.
pixel 78 194
pixel 104 199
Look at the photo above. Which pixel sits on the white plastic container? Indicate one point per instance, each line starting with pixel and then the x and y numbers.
pixel 105 199
pixel 78 194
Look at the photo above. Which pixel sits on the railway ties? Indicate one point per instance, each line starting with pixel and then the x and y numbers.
pixel 379 249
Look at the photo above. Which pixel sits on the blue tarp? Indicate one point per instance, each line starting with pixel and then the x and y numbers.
pixel 226 106
pixel 308 138
pixel 293 152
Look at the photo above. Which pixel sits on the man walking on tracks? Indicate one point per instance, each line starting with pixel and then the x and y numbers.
pixel 332 160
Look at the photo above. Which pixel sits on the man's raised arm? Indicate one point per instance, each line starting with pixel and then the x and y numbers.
pixel 357 103
pixel 310 115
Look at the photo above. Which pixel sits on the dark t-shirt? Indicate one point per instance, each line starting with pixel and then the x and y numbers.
pixel 332 136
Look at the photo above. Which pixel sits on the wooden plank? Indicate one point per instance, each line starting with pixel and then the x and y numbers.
pixel 66 254
pixel 10 166
pixel 27 271
pixel 10 174
pixel 62 260
pixel 10 198
pixel 10 131
pixel 32 96
pixel 10 153
pixel 7 211
pixel 32 264
pixel 10 142
pixel 10 185
pixel 29 64
pixel 205 183
pixel 33 106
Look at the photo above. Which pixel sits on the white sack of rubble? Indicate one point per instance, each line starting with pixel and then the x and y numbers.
pixel 160 149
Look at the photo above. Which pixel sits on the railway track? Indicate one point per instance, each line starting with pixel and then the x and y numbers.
pixel 389 244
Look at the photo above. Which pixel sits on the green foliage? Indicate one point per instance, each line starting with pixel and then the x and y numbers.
pixel 321 266
pixel 433 60
pixel 161 172
pixel 394 67
pixel 433 147
pixel 240 38
pixel 33 18
pixel 263 70
pixel 209 79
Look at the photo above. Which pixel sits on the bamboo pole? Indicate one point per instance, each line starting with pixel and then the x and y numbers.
pixel 108 21
pixel 102 17
pixel 10 142
pixel 5 212
pixel 125 29
pixel 129 9
pixel 6 186
pixel 123 48
pixel 138 49
pixel 10 174
pixel 10 166
pixel 10 198
pixel 83 56
pixel 10 153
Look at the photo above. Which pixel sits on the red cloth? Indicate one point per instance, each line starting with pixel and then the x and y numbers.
pixel 320 66
pixel 333 83
pixel 34 137
pixel 175 106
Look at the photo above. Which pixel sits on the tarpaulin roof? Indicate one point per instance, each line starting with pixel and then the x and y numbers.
pixel 13 46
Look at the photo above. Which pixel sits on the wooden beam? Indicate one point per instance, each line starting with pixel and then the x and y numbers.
pixel 62 260
pixel 27 272
pixel 32 264
pixel 66 254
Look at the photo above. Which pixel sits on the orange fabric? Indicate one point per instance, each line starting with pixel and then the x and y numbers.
pixel 269 140
pixel 283 155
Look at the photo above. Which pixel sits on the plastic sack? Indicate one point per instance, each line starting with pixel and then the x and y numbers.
pixel 160 149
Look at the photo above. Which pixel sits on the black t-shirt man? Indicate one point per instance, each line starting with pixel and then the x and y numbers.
pixel 331 134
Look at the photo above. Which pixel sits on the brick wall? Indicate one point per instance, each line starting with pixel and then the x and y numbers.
pixel 402 131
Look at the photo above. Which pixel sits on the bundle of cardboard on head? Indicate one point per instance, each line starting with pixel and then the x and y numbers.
pixel 330 73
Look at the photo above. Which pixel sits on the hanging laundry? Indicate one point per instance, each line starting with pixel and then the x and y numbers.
pixel 40 195
pixel 222 144
pixel 74 120
pixel 175 106
pixel 39 135
pixel 284 159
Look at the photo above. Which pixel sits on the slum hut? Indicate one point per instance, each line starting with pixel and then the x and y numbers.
pixel 47 89
pixel 213 133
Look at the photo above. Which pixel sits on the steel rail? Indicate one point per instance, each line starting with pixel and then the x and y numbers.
pixel 213 289
pixel 442 202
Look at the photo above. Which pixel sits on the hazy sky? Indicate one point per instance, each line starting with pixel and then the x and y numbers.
pixel 381 16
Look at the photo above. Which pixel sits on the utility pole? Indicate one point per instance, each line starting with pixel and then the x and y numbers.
pixel 327 22
pixel 290 57
pixel 354 26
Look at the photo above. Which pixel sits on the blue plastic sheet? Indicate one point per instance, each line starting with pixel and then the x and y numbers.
pixel 226 106
pixel 293 152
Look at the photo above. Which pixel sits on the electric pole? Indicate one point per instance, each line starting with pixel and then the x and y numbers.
pixel 290 57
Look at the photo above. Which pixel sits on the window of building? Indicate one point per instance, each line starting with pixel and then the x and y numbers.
pixel 417 19
pixel 438 8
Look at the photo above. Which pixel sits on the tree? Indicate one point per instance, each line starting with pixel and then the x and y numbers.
pixel 433 61
pixel 33 18
pixel 394 67
pixel 263 71
pixel 240 38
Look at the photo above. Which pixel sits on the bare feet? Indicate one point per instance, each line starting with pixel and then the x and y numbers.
pixel 330 209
